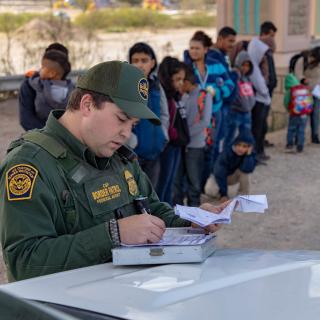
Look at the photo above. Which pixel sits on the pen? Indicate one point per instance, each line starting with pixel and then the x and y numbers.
pixel 140 204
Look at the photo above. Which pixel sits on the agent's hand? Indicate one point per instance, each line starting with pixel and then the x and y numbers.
pixel 249 150
pixel 140 229
pixel 215 209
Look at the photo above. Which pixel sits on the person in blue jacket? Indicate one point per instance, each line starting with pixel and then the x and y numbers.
pixel 211 75
pixel 220 51
pixel 235 164
pixel 151 139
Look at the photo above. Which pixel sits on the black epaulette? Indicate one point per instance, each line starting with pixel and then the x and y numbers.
pixel 126 154
pixel 14 144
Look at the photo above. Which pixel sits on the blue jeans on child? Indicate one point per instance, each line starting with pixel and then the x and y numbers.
pixel 296 129
pixel 169 162
pixel 219 132
pixel 188 178
pixel 211 152
pixel 236 121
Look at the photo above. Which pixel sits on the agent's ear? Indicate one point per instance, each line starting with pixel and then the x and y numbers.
pixel 86 105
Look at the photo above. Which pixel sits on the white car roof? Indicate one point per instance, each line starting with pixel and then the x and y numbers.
pixel 231 284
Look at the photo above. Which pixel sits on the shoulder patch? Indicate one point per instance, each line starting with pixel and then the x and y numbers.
pixel 20 181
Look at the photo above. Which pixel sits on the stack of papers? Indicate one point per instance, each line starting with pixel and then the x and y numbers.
pixel 244 203
pixel 172 238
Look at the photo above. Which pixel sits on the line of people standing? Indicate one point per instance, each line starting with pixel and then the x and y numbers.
pixel 204 103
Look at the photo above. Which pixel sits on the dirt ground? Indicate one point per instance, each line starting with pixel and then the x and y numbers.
pixel 291 182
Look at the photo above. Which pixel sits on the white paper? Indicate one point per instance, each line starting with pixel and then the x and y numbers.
pixel 177 239
pixel 244 203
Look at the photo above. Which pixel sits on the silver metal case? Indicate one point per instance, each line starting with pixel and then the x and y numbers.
pixel 139 255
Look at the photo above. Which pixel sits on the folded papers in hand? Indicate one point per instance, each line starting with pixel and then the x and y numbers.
pixel 244 203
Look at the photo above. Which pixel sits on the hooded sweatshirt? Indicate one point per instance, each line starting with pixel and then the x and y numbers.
pixel 50 95
pixel 257 50
pixel 245 98
pixel 217 77
pixel 228 162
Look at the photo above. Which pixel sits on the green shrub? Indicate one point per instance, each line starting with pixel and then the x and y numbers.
pixel 120 19
pixel 126 18
pixel 10 22
pixel 197 20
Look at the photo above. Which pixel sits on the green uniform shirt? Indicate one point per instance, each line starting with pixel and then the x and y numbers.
pixel 53 210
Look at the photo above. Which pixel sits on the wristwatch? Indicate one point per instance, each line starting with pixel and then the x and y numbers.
pixel 114 232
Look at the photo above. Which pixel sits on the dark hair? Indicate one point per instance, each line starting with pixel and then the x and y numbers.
pixel 60 58
pixel 190 76
pixel 57 46
pixel 142 47
pixel 266 27
pixel 226 32
pixel 167 68
pixel 78 93
pixel 203 38
pixel 314 53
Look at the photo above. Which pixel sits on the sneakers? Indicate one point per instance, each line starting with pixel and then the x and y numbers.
pixel 315 139
pixel 299 149
pixel 289 147
pixel 268 144
pixel 263 157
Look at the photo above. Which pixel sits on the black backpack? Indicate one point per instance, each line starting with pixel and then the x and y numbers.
pixel 181 125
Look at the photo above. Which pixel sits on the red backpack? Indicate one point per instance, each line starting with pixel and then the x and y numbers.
pixel 301 101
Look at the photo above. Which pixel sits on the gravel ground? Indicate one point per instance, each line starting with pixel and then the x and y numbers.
pixel 291 182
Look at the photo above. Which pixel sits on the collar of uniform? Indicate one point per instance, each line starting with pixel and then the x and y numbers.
pixel 55 128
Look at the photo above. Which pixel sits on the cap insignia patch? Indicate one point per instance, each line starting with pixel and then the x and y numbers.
pixel 20 181
pixel 143 88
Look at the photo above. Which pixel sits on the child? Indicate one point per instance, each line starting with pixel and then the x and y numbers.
pixel 239 117
pixel 235 164
pixel 27 114
pixel 298 102
pixel 312 79
pixel 50 85
pixel 151 139
pixel 171 75
pixel 198 104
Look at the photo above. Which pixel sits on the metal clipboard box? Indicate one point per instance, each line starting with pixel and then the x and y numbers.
pixel 137 255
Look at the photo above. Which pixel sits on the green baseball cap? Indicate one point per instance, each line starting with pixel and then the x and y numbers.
pixel 124 83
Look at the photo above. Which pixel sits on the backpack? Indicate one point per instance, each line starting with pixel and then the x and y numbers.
pixel 301 101
pixel 181 128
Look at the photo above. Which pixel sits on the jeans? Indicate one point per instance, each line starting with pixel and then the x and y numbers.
pixel 314 118
pixel 211 152
pixel 259 116
pixel 188 178
pixel 296 129
pixel 151 169
pixel 169 162
pixel 220 131
pixel 236 121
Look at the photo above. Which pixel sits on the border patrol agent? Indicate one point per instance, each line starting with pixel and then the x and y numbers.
pixel 68 190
